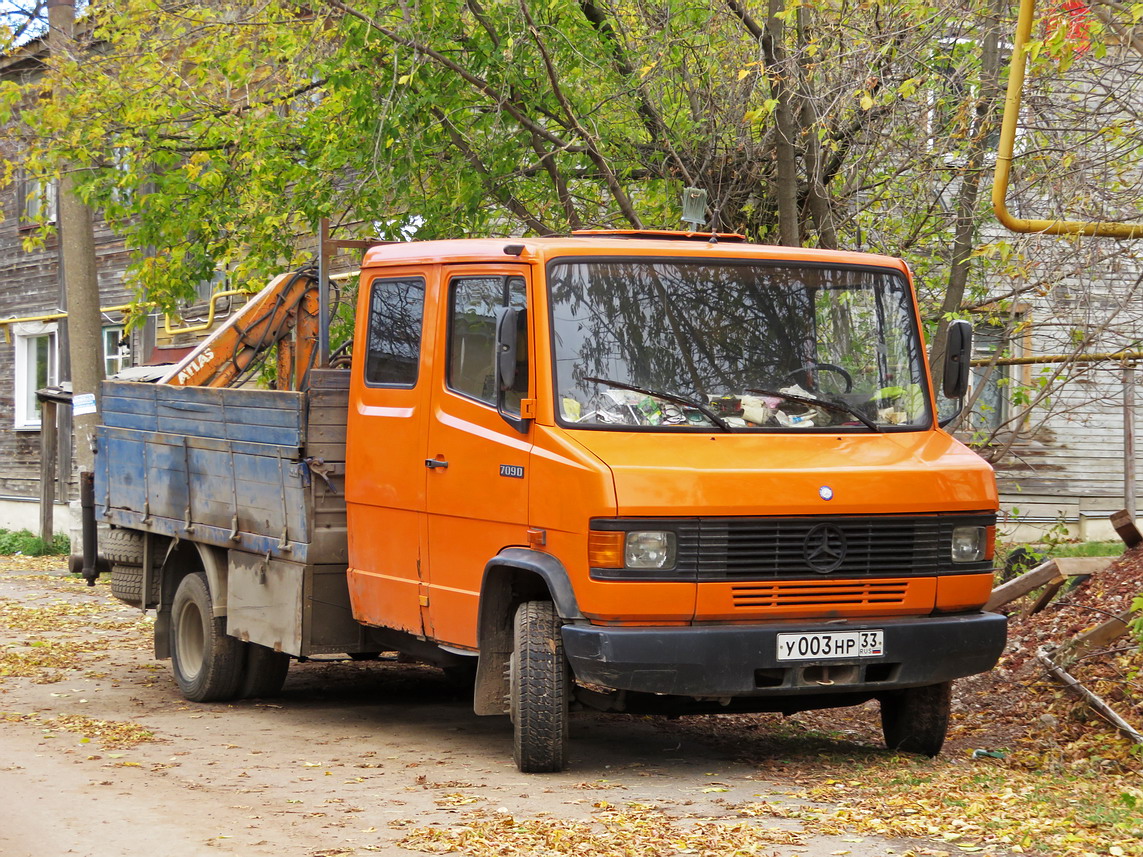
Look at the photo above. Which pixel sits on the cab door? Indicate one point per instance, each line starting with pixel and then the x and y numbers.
pixel 477 463
pixel 385 441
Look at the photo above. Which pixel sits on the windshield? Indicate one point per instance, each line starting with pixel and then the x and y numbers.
pixel 672 344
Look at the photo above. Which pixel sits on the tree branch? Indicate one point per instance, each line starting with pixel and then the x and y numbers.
pixel 591 148
pixel 510 201
pixel 512 108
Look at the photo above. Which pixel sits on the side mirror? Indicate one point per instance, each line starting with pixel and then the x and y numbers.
pixel 508 320
pixel 505 349
pixel 958 356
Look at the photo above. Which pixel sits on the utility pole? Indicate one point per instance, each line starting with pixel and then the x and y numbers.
pixel 84 328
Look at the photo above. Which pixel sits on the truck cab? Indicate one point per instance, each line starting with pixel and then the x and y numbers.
pixel 645 472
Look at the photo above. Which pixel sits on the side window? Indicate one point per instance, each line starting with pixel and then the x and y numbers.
pixel 396 311
pixel 473 305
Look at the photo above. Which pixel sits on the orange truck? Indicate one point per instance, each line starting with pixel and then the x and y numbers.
pixel 643 472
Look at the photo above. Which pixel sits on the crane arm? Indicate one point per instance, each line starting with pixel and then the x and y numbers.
pixel 284 313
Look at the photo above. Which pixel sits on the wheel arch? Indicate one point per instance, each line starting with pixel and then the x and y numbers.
pixel 182 558
pixel 511 577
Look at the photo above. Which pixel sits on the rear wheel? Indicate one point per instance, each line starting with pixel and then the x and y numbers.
pixel 265 672
pixel 539 689
pixel 208 665
pixel 916 720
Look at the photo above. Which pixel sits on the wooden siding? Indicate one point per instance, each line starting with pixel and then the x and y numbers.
pixel 30 285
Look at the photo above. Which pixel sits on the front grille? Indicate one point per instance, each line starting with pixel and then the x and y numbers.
pixel 805 547
pixel 819 594
pixel 753 548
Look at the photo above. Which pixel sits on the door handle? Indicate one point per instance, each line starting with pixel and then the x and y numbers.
pixel 435 462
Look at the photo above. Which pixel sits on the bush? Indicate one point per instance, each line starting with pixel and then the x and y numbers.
pixel 23 542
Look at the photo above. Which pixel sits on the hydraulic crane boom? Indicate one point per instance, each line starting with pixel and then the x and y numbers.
pixel 284 313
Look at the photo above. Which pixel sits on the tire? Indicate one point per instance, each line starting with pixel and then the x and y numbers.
pixel 122 547
pixel 208 665
pixel 916 720
pixel 540 689
pixel 127 583
pixel 265 672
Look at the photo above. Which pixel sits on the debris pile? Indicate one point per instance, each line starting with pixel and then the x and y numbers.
pixel 1070 683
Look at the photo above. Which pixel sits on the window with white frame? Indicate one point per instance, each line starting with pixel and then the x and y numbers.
pixel 37 366
pixel 115 350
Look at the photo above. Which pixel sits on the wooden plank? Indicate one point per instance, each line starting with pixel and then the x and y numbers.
pixel 1046 572
pixel 199 442
pixel 1126 528
pixel 1045 597
pixel 123 419
pixel 1057 672
pixel 119 404
pixel 331 415
pixel 229 396
pixel 130 389
pixel 1079 566
pixel 326 451
pixel 327 434
pixel 329 379
pixel 1099 636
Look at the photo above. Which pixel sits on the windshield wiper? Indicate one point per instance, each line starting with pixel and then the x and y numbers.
pixel 670 397
pixel 822 403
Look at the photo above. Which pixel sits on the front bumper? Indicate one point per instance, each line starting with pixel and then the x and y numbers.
pixel 741 660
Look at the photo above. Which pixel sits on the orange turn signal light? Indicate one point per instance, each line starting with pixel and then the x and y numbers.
pixel 605 549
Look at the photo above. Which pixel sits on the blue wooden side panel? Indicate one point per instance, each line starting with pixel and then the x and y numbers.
pixel 257 416
pixel 217 466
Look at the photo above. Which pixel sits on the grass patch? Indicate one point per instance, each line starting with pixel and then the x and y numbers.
pixel 26 543
pixel 1087 549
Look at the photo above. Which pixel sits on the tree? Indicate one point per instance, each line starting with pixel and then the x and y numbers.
pixel 863 125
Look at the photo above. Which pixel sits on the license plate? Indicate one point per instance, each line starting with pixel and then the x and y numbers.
pixel 831 644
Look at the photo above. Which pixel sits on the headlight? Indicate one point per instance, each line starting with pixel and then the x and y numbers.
pixel 649 549
pixel 969 543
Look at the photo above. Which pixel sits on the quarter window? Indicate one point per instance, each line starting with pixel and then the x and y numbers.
pixel 396 312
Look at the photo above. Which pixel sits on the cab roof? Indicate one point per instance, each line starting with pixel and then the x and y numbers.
pixel 627 243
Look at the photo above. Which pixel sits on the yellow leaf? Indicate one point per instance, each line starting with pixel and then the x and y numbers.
pixel 866 102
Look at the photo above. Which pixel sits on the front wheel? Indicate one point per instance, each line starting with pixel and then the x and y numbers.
pixel 208 665
pixel 540 689
pixel 916 720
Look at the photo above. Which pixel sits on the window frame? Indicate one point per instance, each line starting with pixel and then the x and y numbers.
pixel 25 415
pixel 43 192
pixel 506 278
pixel 373 284
pixel 123 360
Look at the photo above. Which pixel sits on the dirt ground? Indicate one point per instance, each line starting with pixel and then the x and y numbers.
pixel 100 756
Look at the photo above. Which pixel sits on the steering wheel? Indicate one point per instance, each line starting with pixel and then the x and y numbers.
pixel 804 375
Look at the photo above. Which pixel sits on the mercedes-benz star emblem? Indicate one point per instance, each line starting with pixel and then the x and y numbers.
pixel 824 548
